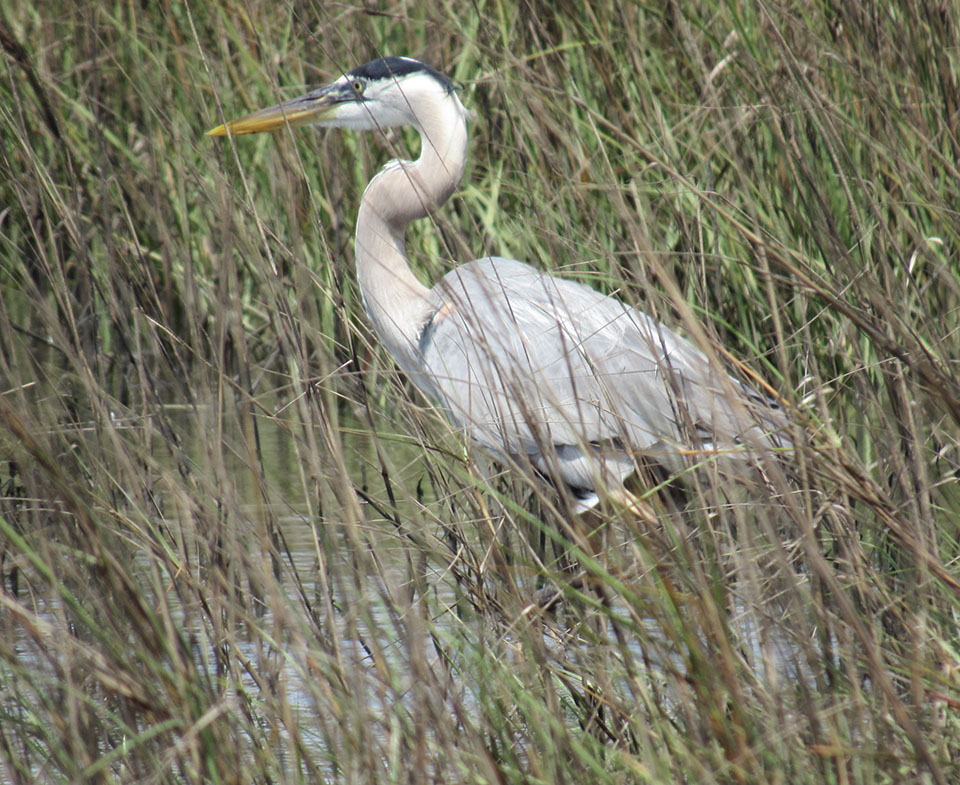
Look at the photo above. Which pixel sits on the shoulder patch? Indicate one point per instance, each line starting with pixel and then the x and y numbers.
pixel 430 327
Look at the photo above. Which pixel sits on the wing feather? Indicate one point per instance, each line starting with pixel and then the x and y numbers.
pixel 540 366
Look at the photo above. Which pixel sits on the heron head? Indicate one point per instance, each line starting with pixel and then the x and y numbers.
pixel 383 93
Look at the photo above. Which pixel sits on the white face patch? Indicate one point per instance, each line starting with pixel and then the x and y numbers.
pixel 388 102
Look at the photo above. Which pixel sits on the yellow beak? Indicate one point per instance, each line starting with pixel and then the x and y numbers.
pixel 314 107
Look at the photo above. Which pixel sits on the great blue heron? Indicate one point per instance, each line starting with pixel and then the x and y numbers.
pixel 541 371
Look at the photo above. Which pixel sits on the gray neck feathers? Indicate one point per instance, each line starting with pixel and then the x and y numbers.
pixel 397 303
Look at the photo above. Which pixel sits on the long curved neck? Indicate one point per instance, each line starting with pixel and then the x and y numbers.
pixel 397 303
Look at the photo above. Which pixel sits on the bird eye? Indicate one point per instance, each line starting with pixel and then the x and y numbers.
pixel 357 86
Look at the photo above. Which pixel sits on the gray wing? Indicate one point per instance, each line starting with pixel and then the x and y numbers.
pixel 551 369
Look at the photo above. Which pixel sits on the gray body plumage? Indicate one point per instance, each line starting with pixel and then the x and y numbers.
pixel 580 384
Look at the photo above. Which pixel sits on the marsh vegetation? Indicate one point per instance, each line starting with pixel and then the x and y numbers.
pixel 237 546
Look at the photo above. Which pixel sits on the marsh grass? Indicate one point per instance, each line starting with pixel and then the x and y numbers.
pixel 236 546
